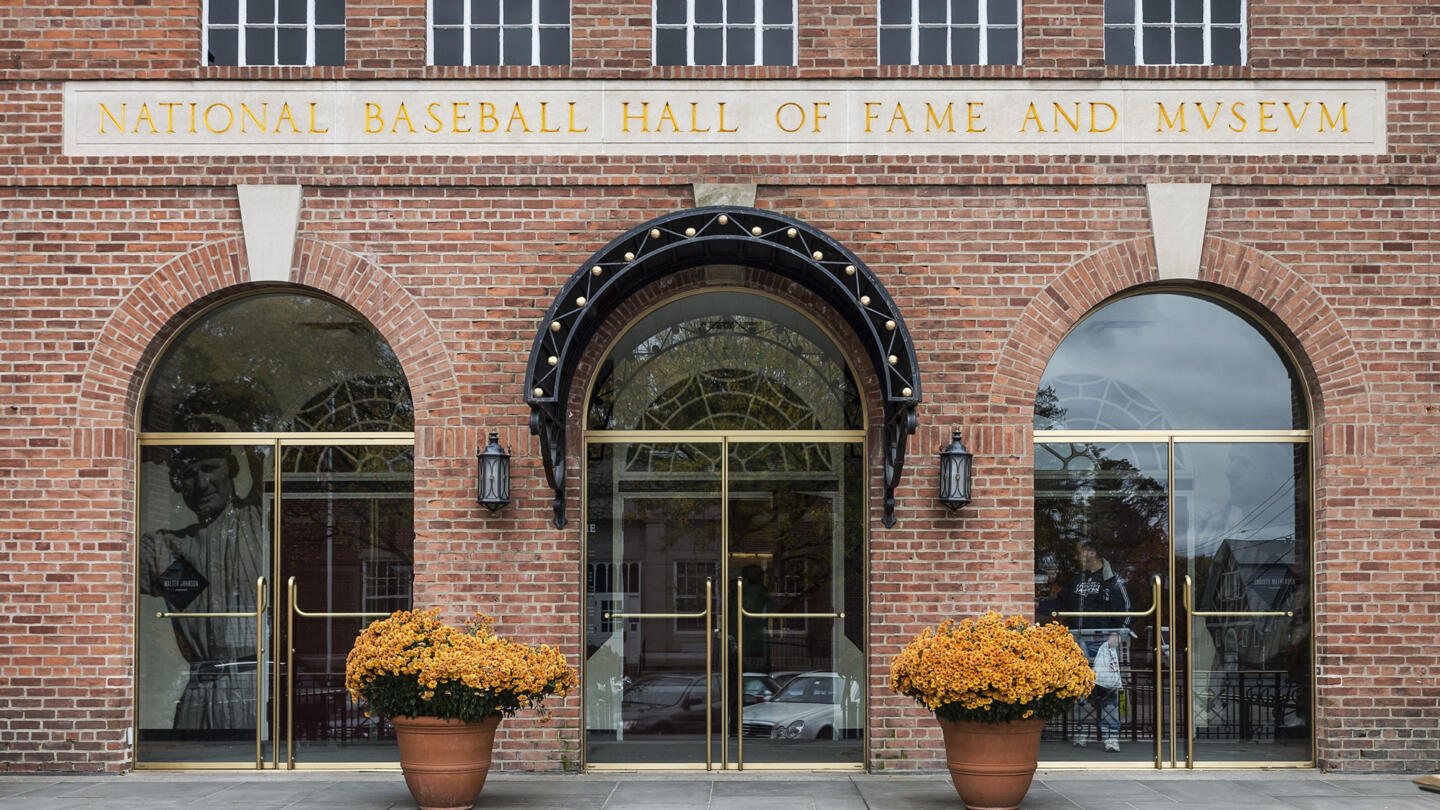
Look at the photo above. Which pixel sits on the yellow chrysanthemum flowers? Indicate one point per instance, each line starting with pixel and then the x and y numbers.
pixel 411 664
pixel 993 669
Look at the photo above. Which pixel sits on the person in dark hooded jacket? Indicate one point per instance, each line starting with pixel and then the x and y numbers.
pixel 1098 589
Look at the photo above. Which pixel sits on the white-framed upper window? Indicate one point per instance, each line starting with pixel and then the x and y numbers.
pixel 499 32
pixel 273 32
pixel 950 32
pixel 1174 32
pixel 724 32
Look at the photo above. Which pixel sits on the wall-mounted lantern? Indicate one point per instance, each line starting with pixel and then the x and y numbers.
pixel 955 463
pixel 493 474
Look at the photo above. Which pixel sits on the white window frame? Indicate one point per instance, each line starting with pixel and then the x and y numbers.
pixel 241 24
pixel 983 23
pixel 726 27
pixel 1206 27
pixel 467 26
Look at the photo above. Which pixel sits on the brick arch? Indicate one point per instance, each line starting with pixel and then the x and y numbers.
pixel 131 339
pixel 1269 290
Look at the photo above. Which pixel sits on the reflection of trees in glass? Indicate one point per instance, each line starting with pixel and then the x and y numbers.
pixel 725 372
pixel 1084 494
pixel 286 348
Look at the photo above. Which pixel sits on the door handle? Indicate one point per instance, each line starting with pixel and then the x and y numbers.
pixel 261 603
pixel 740 659
pixel 709 659
pixel 1159 655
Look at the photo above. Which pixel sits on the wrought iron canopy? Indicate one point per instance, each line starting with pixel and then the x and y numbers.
pixel 720 235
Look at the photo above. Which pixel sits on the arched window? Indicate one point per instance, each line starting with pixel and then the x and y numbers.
pixel 1172 520
pixel 276 447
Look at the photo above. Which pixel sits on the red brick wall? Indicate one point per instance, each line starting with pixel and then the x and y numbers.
pixel 991 260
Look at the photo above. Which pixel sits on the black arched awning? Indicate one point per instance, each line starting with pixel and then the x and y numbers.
pixel 720 235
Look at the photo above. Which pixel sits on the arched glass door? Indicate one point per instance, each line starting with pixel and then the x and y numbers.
pixel 1172 525
pixel 724 543
pixel 275 519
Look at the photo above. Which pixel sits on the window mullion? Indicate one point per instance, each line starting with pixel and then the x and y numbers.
pixel 310 58
pixel 690 32
pixel 914 32
pixel 982 19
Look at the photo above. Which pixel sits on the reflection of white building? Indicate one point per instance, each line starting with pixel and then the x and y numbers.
pixel 1252 577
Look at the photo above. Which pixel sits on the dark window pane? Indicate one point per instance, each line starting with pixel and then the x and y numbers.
pixel 709 11
pixel 740 46
pixel 259 11
pixel 517 46
pixel 484 46
pixel 740 11
pixel 1119 46
pixel 670 46
pixel 292 46
pixel 329 46
pixel 670 12
pixel 779 47
pixel 554 46
pixel 330 12
pixel 1189 46
pixel 709 46
pixel 1189 11
pixel 1003 46
pixel 965 12
pixel 448 12
pixel 517 12
pixel 555 12
pixel 932 46
pixel 485 12
pixel 965 46
pixel 1119 12
pixel 932 11
pixel 894 46
pixel 1156 42
pixel 778 12
pixel 223 47
pixel 894 12
pixel 293 11
pixel 1002 12
pixel 1225 47
pixel 224 12
pixel 259 46
pixel 1155 11
pixel 449 46
pixel 1225 11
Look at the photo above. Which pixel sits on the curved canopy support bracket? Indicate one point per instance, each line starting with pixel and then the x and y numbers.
pixel 725 235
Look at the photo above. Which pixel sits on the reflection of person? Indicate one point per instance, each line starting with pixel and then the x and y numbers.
pixel 211 566
pixel 756 655
pixel 1098 589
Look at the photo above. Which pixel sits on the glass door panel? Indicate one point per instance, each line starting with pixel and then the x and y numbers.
pixel 654 692
pixel 346 558
pixel 1243 552
pixel 797 645
pixel 1101 540
pixel 204 572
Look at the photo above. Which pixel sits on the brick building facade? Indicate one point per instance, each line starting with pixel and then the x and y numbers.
pixel 991 257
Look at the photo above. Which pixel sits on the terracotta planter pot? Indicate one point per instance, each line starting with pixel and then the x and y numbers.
pixel 992 764
pixel 445 761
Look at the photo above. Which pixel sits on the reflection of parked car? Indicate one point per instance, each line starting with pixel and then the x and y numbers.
pixel 759 687
pixel 668 704
pixel 809 707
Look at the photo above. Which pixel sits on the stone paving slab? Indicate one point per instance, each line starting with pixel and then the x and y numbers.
pixel 385 790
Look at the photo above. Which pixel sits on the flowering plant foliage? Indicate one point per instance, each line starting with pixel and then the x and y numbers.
pixel 993 669
pixel 412 665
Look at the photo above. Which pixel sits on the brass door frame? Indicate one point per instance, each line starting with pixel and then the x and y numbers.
pixel 277 442
pixel 724 439
pixel 1171 439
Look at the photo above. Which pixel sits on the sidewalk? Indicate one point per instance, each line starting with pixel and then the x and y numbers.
pixel 372 790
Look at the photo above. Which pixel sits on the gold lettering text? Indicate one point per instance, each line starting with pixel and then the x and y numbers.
pixel 229 118
pixel 402 113
pixel 1164 121
pixel 1266 115
pixel 972 115
pixel 1296 122
pixel 313 130
pixel 247 114
pixel 144 115
pixel 626 117
pixel 544 113
pixel 106 112
pixel 1237 110
pixel 572 119
pixel 944 122
pixel 1343 121
pixel 1031 115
